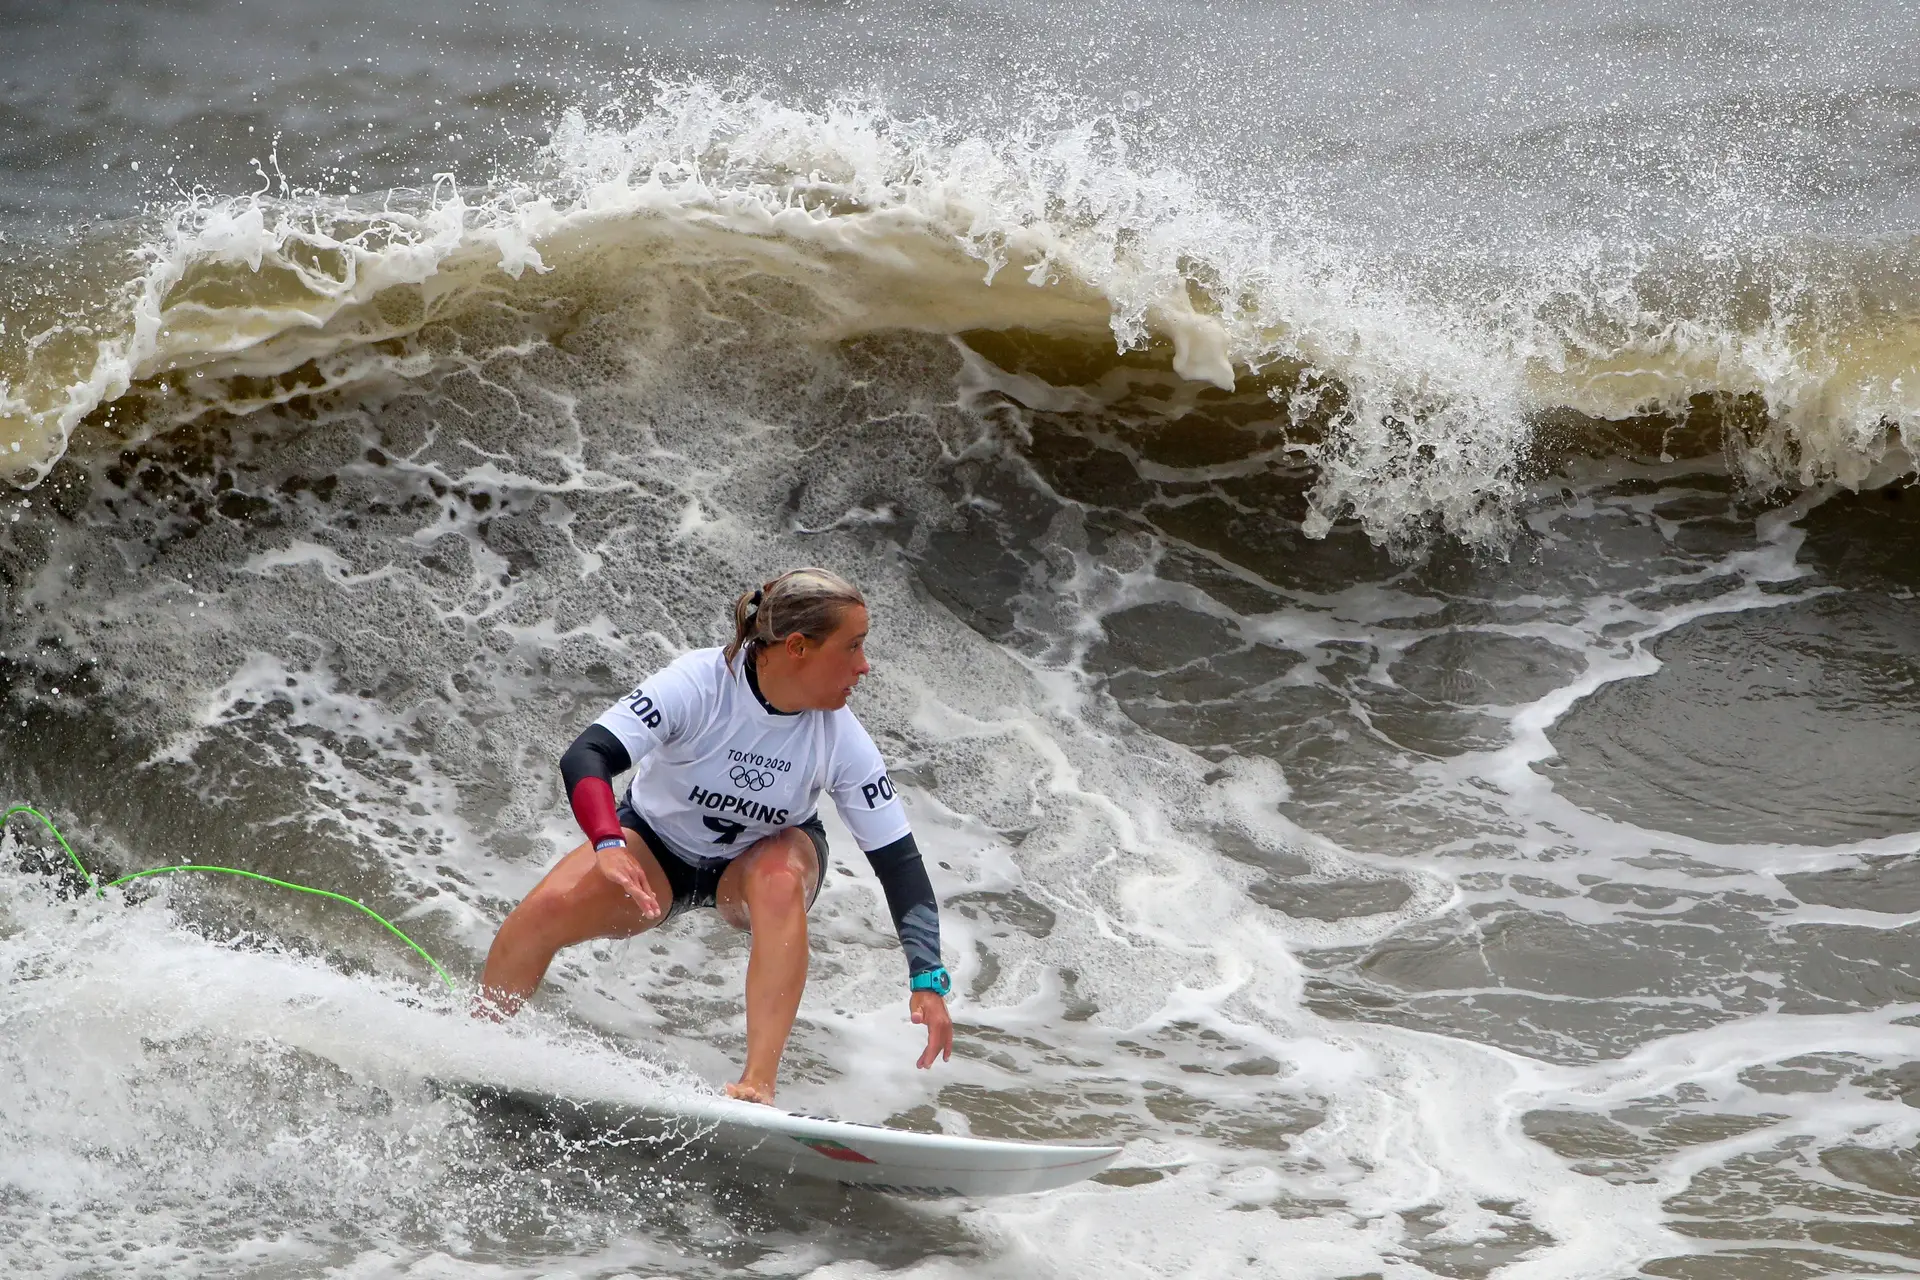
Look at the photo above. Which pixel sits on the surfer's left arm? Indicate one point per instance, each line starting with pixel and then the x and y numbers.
pixel 874 813
pixel 916 918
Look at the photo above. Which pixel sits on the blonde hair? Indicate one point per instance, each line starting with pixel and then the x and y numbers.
pixel 806 602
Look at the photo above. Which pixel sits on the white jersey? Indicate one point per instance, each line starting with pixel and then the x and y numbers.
pixel 716 768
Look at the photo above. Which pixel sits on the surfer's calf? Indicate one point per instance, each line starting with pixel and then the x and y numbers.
pixel 725 744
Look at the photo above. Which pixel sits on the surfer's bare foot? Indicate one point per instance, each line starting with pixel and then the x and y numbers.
pixel 747 1091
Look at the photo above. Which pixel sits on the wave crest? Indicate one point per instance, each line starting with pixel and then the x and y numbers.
pixel 1419 388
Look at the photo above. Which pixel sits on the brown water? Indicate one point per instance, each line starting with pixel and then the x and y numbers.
pixel 1412 738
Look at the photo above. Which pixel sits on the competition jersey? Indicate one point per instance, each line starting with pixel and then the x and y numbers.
pixel 716 768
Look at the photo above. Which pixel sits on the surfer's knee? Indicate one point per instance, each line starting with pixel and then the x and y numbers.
pixel 785 870
pixel 783 884
pixel 777 876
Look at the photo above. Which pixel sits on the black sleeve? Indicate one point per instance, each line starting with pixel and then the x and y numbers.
pixel 916 913
pixel 594 754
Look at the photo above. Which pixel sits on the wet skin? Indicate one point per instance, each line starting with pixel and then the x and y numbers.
pixel 621 891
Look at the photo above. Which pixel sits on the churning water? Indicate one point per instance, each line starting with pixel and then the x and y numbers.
pixel 1394 615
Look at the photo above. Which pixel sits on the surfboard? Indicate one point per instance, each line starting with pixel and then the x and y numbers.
pixel 784 1145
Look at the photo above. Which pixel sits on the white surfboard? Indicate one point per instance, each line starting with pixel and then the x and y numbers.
pixel 895 1161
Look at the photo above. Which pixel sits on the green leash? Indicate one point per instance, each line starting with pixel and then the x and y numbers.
pixel 101 890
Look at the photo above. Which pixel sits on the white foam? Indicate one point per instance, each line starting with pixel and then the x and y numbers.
pixel 647 483
pixel 895 224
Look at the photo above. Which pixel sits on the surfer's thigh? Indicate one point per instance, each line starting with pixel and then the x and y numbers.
pixel 786 866
pixel 574 902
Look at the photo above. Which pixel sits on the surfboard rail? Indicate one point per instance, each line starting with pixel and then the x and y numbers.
pixel 898 1162
pixel 895 1161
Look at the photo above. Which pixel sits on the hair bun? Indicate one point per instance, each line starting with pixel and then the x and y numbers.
pixel 806 602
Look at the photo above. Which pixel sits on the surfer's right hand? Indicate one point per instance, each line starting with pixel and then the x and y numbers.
pixel 617 865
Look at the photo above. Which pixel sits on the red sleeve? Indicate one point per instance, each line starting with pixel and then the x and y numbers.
pixel 593 809
pixel 588 769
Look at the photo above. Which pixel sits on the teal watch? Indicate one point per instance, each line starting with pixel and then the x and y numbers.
pixel 934 980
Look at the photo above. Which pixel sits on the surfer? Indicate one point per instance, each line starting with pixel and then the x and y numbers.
pixel 731 749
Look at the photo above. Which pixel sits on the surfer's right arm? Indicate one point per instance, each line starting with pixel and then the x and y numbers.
pixel 649 717
pixel 588 768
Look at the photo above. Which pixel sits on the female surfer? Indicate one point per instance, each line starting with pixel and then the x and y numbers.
pixel 731 749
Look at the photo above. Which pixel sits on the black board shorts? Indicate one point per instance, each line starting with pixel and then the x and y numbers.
pixel 696 883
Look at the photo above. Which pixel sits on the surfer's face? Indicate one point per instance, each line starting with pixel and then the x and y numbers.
pixel 826 671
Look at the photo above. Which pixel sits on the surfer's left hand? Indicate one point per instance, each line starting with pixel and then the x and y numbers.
pixel 930 1011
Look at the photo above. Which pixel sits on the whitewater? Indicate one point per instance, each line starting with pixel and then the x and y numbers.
pixel 1394 617
pixel 1441 382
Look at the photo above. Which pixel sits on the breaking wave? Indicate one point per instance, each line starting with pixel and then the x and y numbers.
pixel 1423 394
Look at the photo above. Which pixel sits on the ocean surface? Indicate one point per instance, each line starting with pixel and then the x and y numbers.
pixel 1394 584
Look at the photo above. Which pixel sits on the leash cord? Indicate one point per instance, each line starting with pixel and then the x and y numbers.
pixel 100 890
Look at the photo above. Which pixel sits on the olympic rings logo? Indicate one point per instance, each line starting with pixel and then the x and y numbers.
pixel 751 779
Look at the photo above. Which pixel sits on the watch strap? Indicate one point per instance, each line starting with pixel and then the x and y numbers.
pixel 938 981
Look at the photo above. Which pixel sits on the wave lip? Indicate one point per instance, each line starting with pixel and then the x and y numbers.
pixel 1417 389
